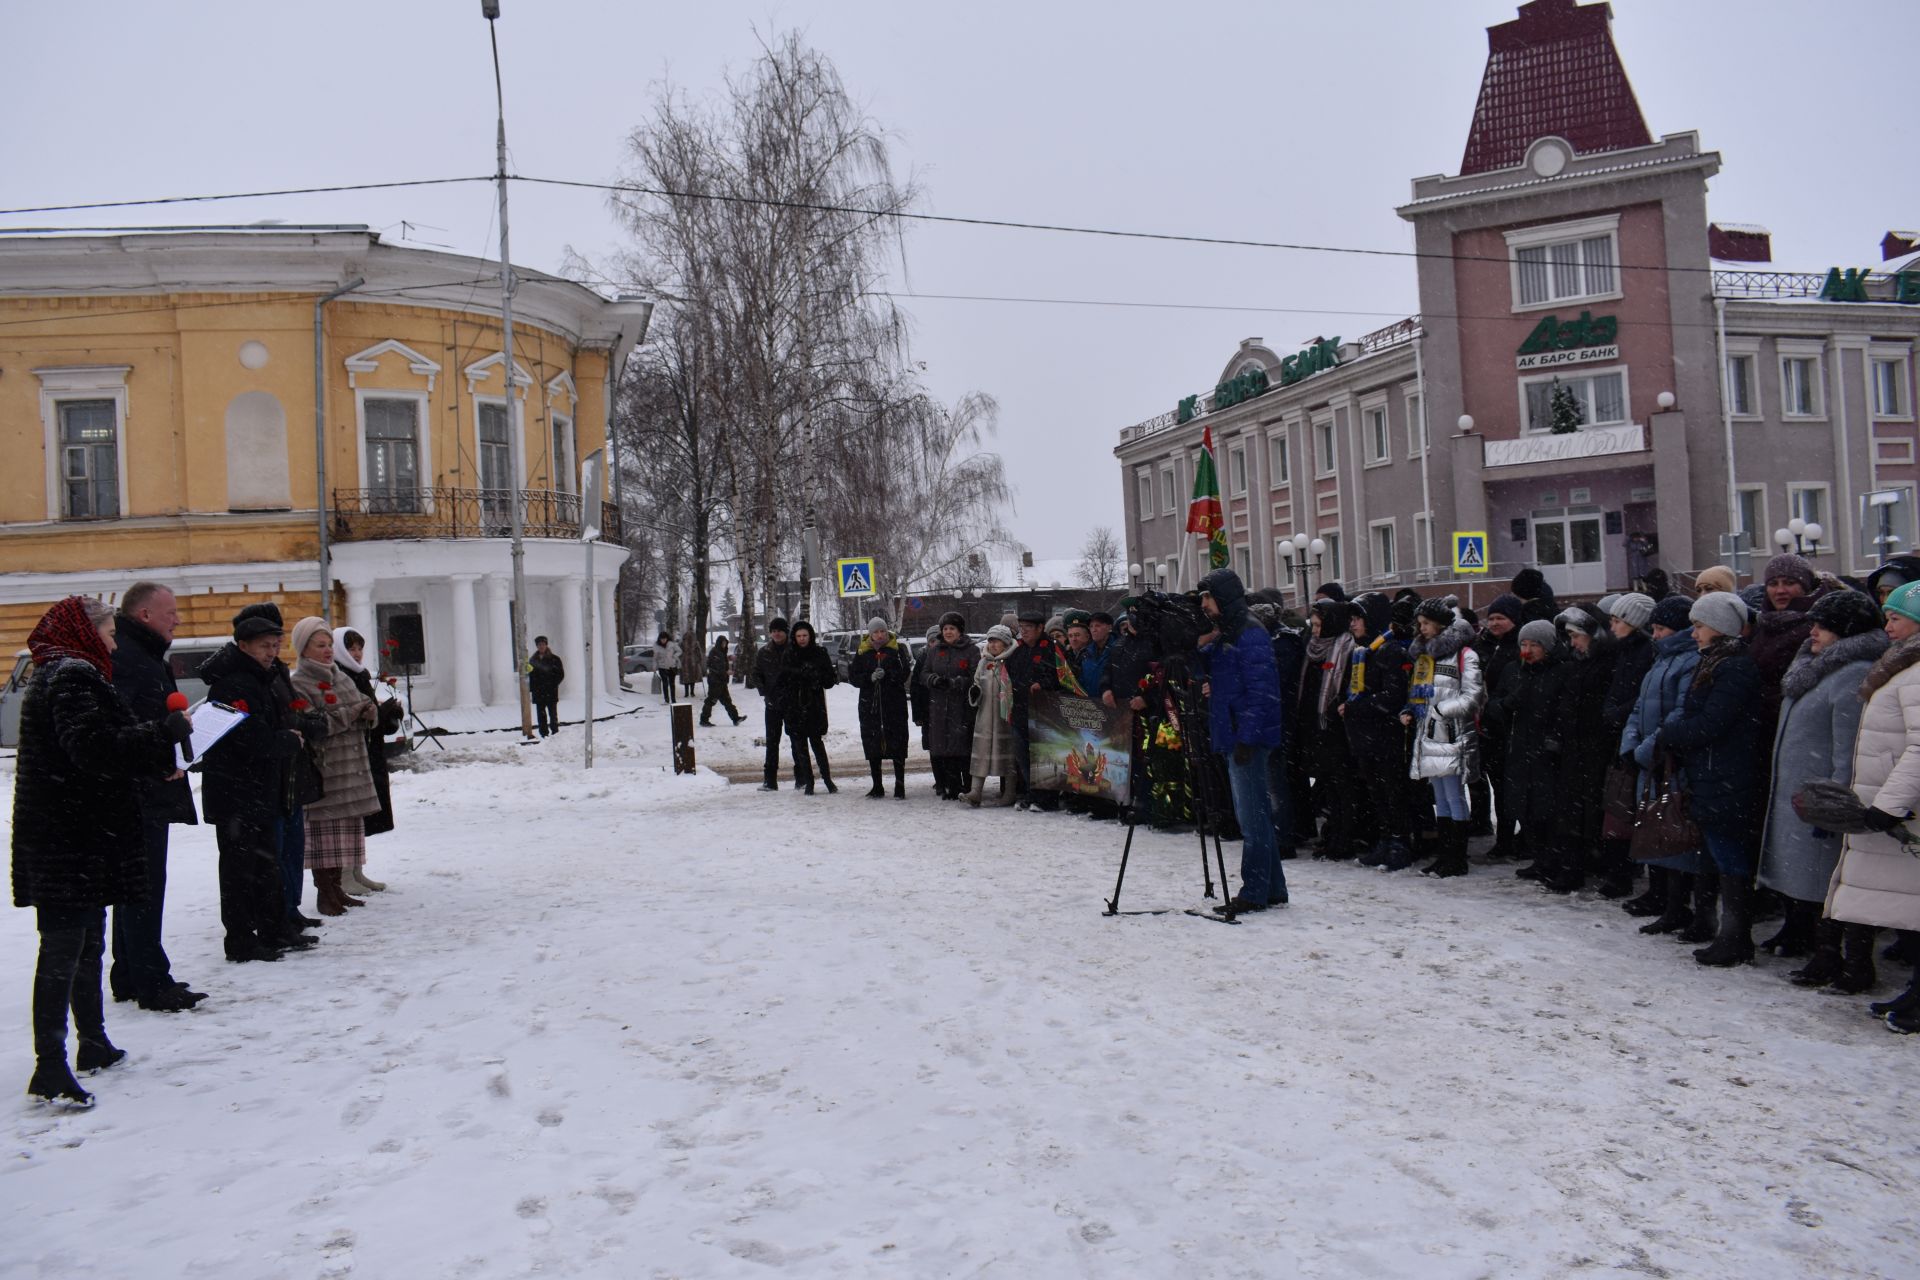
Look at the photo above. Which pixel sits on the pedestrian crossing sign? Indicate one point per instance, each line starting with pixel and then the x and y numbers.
pixel 856 577
pixel 1470 551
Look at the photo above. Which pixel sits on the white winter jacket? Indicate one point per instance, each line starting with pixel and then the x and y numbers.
pixel 1446 729
pixel 1878 881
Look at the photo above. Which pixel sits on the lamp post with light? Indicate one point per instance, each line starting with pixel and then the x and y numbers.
pixel 1799 535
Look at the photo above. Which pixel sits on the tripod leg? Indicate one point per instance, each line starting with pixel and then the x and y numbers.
pixel 1126 851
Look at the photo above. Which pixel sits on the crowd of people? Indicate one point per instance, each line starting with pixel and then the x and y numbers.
pixel 1767 731
pixel 292 789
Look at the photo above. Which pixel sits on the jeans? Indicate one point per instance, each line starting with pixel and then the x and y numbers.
pixel 293 858
pixel 1280 798
pixel 1262 879
pixel 666 683
pixel 1729 848
pixel 140 964
pixel 1450 798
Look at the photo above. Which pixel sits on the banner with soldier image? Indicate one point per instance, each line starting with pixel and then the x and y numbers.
pixel 1080 747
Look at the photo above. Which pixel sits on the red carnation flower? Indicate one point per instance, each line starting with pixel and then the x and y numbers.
pixel 392 680
pixel 963 664
pixel 240 704
pixel 324 686
pixel 391 645
pixel 330 699
pixel 299 704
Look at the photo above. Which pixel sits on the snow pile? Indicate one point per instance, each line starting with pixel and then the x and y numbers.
pixel 627 1024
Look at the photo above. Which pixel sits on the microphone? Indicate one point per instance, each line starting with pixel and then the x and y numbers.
pixel 176 701
pixel 178 727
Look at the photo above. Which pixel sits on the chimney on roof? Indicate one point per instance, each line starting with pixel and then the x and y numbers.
pixel 1739 242
pixel 1898 244
pixel 1552 72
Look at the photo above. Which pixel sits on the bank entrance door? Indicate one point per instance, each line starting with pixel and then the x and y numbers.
pixel 1567 549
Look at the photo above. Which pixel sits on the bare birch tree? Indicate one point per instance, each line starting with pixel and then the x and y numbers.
pixel 1100 555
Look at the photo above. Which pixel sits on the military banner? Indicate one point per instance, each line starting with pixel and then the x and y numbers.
pixel 1079 747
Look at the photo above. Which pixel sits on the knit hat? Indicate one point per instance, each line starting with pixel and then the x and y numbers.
pixel 933 635
pixel 1793 567
pixel 1605 603
pixel 1539 632
pixel 1633 609
pixel 1435 611
pixel 1376 609
pixel 778 624
pixel 878 624
pixel 303 631
pixel 1716 578
pixel 1001 634
pixel 1905 601
pixel 1671 613
pixel 1574 619
pixel 1402 612
pixel 258 620
pixel 1508 606
pixel 1056 623
pixel 1009 621
pixel 1724 611
pixel 1845 613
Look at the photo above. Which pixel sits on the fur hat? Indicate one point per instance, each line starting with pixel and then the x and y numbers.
pixel 304 630
pixel 1531 584
pixel 1792 567
pixel 1540 632
pixel 255 620
pixel 1633 609
pixel 1508 606
pixel 951 619
pixel 1724 611
pixel 1716 578
pixel 1671 613
pixel 1010 621
pixel 1845 613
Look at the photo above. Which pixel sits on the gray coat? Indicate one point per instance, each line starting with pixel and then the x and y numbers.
pixel 1819 718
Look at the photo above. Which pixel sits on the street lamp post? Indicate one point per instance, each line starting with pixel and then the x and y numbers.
pixel 490 10
pixel 1798 535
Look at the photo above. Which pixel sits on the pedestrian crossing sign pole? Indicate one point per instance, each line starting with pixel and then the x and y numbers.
pixel 1470 552
pixel 855 576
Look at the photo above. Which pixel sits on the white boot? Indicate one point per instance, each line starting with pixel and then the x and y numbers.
pixel 978 792
pixel 355 885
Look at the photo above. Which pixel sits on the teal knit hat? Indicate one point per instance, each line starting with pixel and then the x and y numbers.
pixel 1905 601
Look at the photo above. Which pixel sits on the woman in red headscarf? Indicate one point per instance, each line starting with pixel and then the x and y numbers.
pixel 77 846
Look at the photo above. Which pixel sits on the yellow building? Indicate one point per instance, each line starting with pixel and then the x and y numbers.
pixel 157 407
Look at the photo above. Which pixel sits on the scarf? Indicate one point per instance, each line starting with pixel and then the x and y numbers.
pixel 1357 670
pixel 340 655
pixel 1331 652
pixel 1810 668
pixel 1710 659
pixel 1896 659
pixel 64 632
pixel 996 688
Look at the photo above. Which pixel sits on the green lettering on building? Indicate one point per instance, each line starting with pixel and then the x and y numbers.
pixel 1318 358
pixel 1188 407
pixel 1324 354
pixel 1906 287
pixel 1588 331
pixel 1847 286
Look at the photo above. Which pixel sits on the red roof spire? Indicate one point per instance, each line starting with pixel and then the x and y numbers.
pixel 1552 71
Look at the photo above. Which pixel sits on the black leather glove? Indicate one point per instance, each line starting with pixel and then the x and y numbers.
pixel 1243 754
pixel 1881 820
pixel 177 727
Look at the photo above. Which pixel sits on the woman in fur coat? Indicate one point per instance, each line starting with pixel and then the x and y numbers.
pixel 336 822
pixel 992 698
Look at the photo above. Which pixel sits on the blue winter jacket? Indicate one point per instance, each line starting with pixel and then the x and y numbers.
pixel 1661 692
pixel 1244 709
pixel 1717 735
pixel 1092 663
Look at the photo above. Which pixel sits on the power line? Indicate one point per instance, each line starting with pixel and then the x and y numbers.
pixel 266 295
pixel 241 195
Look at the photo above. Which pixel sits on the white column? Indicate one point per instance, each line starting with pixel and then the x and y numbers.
pixel 608 638
pixel 360 618
pixel 569 641
pixel 466 640
pixel 501 690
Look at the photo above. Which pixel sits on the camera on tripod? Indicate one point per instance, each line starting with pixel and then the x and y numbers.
pixel 1171 626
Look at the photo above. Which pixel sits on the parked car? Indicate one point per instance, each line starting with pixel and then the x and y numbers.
pixel 635 658
pixel 184 657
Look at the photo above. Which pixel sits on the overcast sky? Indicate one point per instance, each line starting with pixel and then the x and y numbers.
pixel 1301 122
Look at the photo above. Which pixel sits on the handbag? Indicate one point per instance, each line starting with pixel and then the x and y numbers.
pixel 1617 802
pixel 1662 828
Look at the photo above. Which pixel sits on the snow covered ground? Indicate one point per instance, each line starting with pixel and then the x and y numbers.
pixel 626 1024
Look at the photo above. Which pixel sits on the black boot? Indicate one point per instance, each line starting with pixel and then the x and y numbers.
pixel 61 955
pixel 1795 938
pixel 1566 872
pixel 53 1082
pixel 879 788
pixel 1453 851
pixel 1615 871
pixel 1654 900
pixel 1397 855
pixel 1677 914
pixel 97 1055
pixel 899 779
pixel 1856 960
pixel 1905 1003
pixel 1733 943
pixel 1825 965
pixel 1445 843
pixel 1706 895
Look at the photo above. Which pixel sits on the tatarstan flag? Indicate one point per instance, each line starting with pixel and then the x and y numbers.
pixel 1204 514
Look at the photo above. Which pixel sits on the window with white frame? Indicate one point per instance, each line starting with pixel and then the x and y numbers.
pixel 566 472
pixel 1330 569
pixel 1801 383
pixel 1243 564
pixel 1416 426
pixel 1422 536
pixel 1809 502
pixel 1279 460
pixel 1373 430
pixel 1742 400
pixel 1600 397
pixel 1890 387
pixel 390 426
pixel 1750 516
pixel 1166 491
pixel 1569 262
pixel 1381 536
pixel 1323 460
pixel 1143 485
pixel 89 460
pixel 1237 471
pixel 495 440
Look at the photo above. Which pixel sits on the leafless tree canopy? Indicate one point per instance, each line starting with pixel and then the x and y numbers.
pixel 778 389
pixel 1100 555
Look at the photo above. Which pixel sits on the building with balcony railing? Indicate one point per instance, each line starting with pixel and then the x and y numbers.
pixel 157 396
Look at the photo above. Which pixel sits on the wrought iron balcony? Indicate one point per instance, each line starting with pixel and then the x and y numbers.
pixel 367 515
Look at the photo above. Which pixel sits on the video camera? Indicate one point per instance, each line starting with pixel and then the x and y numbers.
pixel 1171 626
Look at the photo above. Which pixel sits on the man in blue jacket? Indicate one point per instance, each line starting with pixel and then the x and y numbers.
pixel 1244 727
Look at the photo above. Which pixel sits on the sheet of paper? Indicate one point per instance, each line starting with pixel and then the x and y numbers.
pixel 211 722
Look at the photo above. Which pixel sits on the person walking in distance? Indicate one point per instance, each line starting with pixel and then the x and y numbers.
pixel 545 674
pixel 769 677
pixel 666 664
pixel 141 971
pixel 719 671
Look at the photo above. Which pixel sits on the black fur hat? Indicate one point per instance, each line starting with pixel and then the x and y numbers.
pixel 1845 613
